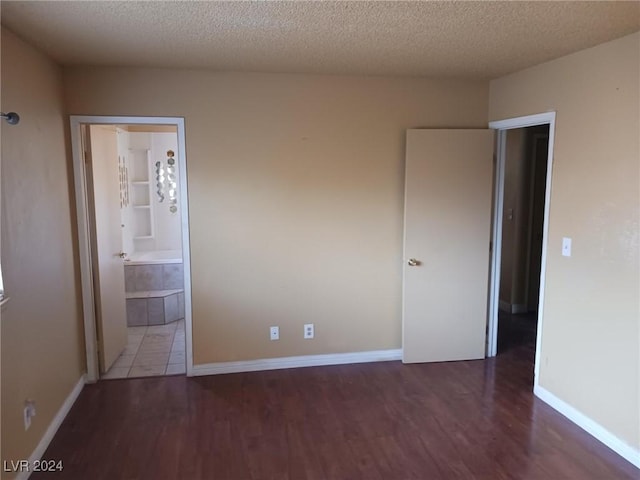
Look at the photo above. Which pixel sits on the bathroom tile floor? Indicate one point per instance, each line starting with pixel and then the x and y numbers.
pixel 151 351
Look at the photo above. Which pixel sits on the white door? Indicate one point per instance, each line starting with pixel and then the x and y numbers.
pixel 108 265
pixel 448 182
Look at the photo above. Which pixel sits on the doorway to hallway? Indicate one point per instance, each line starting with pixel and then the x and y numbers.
pixel 525 176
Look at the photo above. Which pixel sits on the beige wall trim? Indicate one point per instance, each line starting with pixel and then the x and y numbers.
pixel 297 362
pixel 53 426
pixel 596 430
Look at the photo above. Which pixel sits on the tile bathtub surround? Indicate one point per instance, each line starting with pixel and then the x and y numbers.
pixel 181 303
pixel 171 311
pixel 166 276
pixel 151 351
pixel 137 314
pixel 172 275
pixel 156 307
pixel 129 278
pixel 148 277
pixel 156 311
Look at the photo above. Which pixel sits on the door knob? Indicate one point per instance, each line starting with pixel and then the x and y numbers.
pixel 121 254
pixel 413 262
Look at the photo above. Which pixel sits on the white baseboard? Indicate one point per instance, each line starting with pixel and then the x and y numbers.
pixel 513 307
pixel 53 426
pixel 505 306
pixel 519 308
pixel 622 448
pixel 296 362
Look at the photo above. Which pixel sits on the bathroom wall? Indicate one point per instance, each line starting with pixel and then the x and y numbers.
pixel 166 226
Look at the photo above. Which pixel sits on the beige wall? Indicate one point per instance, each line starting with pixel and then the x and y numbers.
pixel 296 215
pixel 296 197
pixel 590 334
pixel 42 347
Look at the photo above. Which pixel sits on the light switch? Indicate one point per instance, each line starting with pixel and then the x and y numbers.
pixel 566 247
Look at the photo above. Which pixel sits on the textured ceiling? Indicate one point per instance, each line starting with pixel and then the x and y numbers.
pixel 463 39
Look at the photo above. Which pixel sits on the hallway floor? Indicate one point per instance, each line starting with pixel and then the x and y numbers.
pixel 151 351
pixel 517 330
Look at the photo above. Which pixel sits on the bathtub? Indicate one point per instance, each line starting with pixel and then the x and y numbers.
pixel 154 257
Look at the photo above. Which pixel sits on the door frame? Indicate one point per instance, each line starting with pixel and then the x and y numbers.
pixel 501 126
pixel 84 230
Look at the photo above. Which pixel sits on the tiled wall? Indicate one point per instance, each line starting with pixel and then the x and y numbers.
pixel 144 278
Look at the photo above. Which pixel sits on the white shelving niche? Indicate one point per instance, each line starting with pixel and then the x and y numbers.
pixel 142 193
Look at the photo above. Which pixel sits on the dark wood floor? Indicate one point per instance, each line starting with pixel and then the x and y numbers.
pixel 386 421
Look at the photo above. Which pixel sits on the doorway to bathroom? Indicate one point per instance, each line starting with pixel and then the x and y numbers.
pixel 131 194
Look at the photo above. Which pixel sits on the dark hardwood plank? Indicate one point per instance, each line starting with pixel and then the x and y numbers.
pixel 381 421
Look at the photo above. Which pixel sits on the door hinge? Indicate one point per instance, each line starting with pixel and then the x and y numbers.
pixel 491 246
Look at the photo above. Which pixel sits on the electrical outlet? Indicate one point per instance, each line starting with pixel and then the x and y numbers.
pixel 29 412
pixel 308 330
pixel 566 247
pixel 275 333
